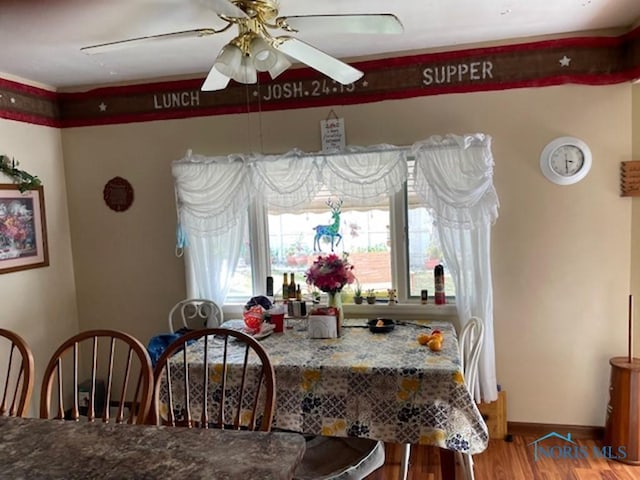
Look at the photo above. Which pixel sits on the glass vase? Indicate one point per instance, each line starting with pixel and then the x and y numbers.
pixel 335 300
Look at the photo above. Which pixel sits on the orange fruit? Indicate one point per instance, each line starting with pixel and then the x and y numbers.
pixel 423 338
pixel 435 344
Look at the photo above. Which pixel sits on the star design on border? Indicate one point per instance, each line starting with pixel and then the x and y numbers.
pixel 13 100
pixel 102 107
pixel 365 84
pixel 565 61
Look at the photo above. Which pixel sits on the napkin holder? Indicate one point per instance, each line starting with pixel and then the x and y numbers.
pixel 322 326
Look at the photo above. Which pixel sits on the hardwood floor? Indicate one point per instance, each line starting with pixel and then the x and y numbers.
pixel 511 461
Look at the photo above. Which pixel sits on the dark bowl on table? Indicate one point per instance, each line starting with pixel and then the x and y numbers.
pixel 386 326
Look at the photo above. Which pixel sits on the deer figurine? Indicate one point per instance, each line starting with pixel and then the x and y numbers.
pixel 329 230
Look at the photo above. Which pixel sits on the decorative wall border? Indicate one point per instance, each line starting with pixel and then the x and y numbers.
pixel 580 60
pixel 28 104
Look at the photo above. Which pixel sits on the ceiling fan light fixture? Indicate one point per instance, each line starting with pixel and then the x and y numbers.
pixel 229 60
pixel 282 63
pixel 246 73
pixel 264 57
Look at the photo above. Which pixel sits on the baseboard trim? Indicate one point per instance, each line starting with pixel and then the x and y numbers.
pixel 580 432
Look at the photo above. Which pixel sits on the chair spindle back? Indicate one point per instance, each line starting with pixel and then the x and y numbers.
pixel 238 373
pixel 17 385
pixel 119 374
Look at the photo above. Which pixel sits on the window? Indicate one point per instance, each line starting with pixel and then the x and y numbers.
pixel 372 235
pixel 424 252
pixel 296 238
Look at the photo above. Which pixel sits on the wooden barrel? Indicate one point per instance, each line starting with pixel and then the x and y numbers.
pixel 622 428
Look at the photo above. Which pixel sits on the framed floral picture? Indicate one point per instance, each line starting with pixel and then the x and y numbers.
pixel 23 233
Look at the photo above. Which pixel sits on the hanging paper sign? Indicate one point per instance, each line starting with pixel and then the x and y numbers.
pixel 332 131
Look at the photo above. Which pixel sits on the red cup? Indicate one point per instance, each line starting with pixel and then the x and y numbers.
pixel 278 321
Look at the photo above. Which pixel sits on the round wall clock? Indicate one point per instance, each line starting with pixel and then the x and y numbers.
pixel 565 160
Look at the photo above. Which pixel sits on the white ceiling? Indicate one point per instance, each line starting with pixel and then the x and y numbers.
pixel 40 40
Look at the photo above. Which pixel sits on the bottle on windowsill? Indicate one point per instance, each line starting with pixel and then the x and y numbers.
pixel 292 287
pixel 440 298
pixel 285 287
pixel 269 286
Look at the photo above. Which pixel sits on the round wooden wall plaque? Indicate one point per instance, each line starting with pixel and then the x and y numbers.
pixel 118 194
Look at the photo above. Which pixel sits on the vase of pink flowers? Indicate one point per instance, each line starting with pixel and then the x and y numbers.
pixel 330 273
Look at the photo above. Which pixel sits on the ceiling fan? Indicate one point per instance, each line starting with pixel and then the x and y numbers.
pixel 258 45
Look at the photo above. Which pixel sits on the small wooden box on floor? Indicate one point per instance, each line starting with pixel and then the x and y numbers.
pixel 495 416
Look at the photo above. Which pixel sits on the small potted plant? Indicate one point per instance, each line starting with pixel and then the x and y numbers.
pixel 371 296
pixel 357 294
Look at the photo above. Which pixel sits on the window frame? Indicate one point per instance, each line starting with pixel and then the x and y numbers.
pixel 398 222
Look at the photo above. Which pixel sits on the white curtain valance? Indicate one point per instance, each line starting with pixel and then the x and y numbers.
pixel 454 176
pixel 363 174
pixel 287 181
pixel 213 192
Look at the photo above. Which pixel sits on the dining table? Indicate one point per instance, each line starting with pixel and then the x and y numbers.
pixel 39 449
pixel 382 386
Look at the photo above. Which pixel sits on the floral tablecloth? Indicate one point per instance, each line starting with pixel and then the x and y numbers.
pixel 382 386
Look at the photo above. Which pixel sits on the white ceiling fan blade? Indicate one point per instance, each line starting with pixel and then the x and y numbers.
pixel 379 23
pixel 226 8
pixel 318 60
pixel 133 42
pixel 214 81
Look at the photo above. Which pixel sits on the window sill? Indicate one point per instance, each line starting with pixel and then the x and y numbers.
pixel 401 311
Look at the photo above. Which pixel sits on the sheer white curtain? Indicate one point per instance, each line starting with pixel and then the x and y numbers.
pixel 454 174
pixel 209 195
pixel 211 261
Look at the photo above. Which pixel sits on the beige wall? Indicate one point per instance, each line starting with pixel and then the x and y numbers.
pixel 40 304
pixel 561 255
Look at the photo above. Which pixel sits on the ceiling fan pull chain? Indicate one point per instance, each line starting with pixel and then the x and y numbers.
pixel 260 117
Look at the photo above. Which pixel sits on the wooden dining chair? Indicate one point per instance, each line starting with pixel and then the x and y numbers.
pixel 118 376
pixel 235 389
pixel 194 313
pixel 18 382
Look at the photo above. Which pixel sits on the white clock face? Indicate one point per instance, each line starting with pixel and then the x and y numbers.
pixel 566 160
